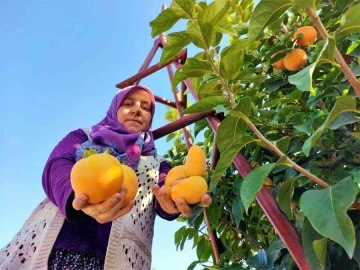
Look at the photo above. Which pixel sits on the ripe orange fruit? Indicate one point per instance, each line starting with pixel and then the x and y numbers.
pixel 191 189
pixel 186 181
pixel 99 176
pixel 131 182
pixel 295 60
pixel 308 37
pixel 175 174
pixel 279 64
pixel 195 164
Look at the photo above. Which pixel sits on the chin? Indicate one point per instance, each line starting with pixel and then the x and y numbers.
pixel 133 129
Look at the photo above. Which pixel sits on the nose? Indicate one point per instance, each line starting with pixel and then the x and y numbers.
pixel 136 108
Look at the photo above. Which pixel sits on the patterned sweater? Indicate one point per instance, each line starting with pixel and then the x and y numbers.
pixel 125 242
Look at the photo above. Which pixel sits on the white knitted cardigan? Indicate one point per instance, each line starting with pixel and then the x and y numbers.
pixel 130 240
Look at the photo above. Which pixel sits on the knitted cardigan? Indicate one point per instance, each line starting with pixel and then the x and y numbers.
pixel 130 241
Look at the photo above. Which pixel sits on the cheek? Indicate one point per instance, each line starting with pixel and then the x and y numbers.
pixel 148 119
pixel 120 116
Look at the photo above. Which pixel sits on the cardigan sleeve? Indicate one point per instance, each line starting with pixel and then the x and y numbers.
pixel 56 174
pixel 163 171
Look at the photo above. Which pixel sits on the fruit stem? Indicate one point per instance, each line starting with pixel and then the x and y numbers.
pixel 344 67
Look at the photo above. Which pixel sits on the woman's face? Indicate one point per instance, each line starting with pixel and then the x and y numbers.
pixel 135 111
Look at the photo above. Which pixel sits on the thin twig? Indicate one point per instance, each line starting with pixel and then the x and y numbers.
pixel 280 154
pixel 226 87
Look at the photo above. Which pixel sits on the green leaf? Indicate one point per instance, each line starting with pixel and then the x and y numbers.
pixel 342 105
pixel 309 235
pixel 193 67
pixel 327 56
pixel 175 42
pixel 306 3
pixel 327 212
pixel 283 144
pixel 210 88
pixel 193 265
pixel 266 12
pixel 285 195
pixel 237 210
pixel 214 12
pixel 199 126
pixel 202 34
pixel 164 21
pixel 343 119
pixel 320 249
pixel 255 180
pixel 273 251
pixel 206 104
pixel 230 144
pixel 89 152
pixel 225 27
pixel 303 79
pixel 356 175
pixel 183 8
pixel 349 23
pixel 231 60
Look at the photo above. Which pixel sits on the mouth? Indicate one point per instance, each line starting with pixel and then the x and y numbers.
pixel 136 121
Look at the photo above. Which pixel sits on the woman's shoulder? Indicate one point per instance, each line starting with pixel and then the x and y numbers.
pixel 77 135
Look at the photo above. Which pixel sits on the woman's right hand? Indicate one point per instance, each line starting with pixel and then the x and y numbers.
pixel 105 211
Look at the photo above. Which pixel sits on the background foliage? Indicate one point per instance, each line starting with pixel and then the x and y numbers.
pixel 310 117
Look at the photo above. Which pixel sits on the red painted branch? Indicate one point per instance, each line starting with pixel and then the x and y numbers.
pixel 178 124
pixel 278 219
pixel 212 238
pixel 215 154
pixel 165 101
pixel 137 77
pixel 150 56
pixel 179 106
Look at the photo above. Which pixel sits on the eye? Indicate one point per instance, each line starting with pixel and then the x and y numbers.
pixel 146 108
pixel 126 103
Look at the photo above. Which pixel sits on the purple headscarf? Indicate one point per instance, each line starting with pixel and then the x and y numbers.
pixel 109 134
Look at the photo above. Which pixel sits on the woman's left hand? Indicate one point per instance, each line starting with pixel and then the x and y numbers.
pixel 179 205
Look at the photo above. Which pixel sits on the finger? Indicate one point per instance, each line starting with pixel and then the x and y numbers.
pixel 155 189
pixel 183 207
pixel 114 202
pixel 116 209
pixel 205 200
pixel 80 201
pixel 166 203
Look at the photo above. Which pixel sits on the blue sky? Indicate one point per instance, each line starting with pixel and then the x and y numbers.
pixel 60 61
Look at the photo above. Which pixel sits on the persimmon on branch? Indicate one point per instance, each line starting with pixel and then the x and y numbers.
pixel 344 67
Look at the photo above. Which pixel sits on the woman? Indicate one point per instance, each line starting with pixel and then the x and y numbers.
pixel 66 232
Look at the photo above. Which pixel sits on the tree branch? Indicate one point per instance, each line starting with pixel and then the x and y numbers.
pixel 344 67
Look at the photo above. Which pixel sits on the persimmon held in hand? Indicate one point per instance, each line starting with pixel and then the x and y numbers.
pixel 131 183
pixel 187 181
pixel 195 161
pixel 191 189
pixel 98 176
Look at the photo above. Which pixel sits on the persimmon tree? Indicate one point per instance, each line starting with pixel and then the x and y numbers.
pixel 298 129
